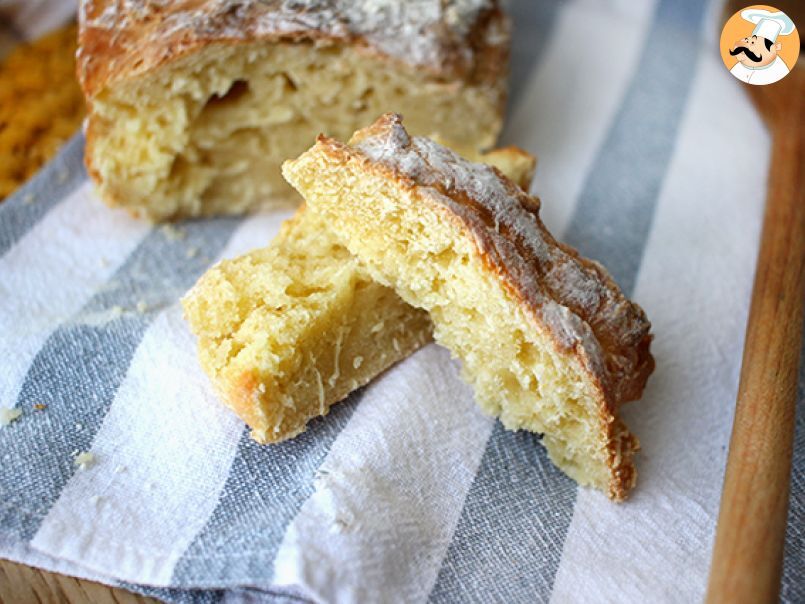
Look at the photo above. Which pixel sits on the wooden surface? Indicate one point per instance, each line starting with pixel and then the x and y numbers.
pixel 748 551
pixel 20 584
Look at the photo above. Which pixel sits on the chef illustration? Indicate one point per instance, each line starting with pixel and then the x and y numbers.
pixel 758 61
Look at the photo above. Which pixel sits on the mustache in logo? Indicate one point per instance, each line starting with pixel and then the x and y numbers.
pixel 743 49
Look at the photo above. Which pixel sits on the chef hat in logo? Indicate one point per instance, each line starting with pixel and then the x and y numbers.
pixel 769 25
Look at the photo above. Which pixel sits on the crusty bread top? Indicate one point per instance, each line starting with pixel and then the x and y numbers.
pixel 575 298
pixel 464 39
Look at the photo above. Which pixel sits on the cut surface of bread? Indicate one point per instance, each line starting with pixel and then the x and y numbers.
pixel 546 338
pixel 193 106
pixel 286 331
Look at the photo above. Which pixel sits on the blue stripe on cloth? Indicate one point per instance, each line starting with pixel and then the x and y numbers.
pixel 614 213
pixel 77 372
pixel 266 487
pixel 793 585
pixel 532 20
pixel 508 541
pixel 51 185
pixel 177 596
pixel 493 552
pixel 245 595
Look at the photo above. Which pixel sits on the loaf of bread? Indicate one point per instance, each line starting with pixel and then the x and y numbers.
pixel 287 331
pixel 192 106
pixel 546 338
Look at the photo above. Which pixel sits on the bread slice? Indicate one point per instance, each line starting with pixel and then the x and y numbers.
pixel 192 106
pixel 546 338
pixel 286 331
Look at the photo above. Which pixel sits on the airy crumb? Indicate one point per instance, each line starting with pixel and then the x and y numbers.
pixel 116 311
pixel 142 307
pixel 28 198
pixel 84 460
pixel 120 469
pixel 62 176
pixel 95 500
pixel 9 415
pixel 192 252
pixel 357 362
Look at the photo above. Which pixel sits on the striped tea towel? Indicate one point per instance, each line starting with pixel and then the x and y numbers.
pixel 652 160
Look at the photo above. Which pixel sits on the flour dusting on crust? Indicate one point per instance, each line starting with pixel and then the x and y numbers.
pixel 438 35
pixel 575 298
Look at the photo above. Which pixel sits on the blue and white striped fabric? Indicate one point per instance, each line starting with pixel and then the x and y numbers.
pixel 405 492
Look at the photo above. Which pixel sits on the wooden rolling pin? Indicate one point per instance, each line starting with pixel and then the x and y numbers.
pixel 750 535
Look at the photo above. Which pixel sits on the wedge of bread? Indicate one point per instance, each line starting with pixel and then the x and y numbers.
pixel 286 331
pixel 192 106
pixel 546 338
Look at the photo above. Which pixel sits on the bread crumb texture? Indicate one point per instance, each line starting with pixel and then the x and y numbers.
pixel 287 331
pixel 546 338
pixel 84 460
pixel 8 416
pixel 200 123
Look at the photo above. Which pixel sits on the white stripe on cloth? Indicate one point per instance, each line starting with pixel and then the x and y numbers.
pixel 695 284
pixel 573 97
pixel 390 492
pixel 22 553
pixel 163 454
pixel 52 272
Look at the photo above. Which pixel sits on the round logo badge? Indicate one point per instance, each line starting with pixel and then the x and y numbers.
pixel 759 45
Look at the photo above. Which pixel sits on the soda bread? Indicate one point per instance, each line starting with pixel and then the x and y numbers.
pixel 192 106
pixel 546 338
pixel 286 331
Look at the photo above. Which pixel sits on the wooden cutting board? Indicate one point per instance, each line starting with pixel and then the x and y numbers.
pixel 20 584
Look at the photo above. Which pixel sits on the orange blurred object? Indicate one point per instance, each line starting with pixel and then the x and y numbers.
pixel 41 105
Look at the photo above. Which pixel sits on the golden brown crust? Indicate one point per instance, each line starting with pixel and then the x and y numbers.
pixel 120 41
pixel 242 396
pixel 574 299
pixel 582 286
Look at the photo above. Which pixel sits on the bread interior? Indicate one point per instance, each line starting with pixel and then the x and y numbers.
pixel 206 133
pixel 288 330
pixel 518 372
